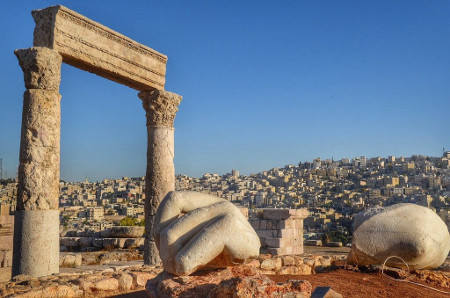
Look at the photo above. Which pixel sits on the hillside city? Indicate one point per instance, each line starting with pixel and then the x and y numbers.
pixel 333 191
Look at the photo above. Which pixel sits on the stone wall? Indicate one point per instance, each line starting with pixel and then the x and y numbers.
pixel 113 238
pixel 280 230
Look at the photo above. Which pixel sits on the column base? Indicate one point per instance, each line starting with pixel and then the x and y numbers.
pixel 36 242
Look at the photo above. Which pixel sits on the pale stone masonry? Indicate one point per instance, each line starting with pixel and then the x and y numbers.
pixel 36 218
pixel 160 107
pixel 280 230
pixel 91 46
pixel 62 35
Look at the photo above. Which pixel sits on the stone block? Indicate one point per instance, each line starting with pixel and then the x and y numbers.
pixel 86 241
pixel 266 233
pixel 271 264
pixel 81 234
pixel 291 270
pixel 298 260
pixel 286 233
pixel 88 249
pixel 91 46
pixel 107 284
pixel 297 249
pixel 334 244
pixel 288 261
pixel 134 242
pixel 125 282
pixel 286 224
pixel 271 224
pixel 69 241
pixel 90 233
pixel 70 260
pixel 313 242
pixel 274 242
pixel 279 251
pixel 278 214
pixel 114 242
pixel 304 269
pixel 106 233
pixel 325 292
pixel 263 224
pixel 255 223
pixel 126 232
pixel 97 242
pixel 141 278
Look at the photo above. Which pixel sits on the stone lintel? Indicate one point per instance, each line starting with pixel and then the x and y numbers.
pixel 279 214
pixel 93 47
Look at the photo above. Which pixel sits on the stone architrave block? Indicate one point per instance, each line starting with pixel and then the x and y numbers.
pixel 91 46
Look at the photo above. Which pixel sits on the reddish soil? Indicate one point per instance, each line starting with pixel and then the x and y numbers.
pixel 358 284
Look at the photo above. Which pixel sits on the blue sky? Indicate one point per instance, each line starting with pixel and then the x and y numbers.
pixel 264 84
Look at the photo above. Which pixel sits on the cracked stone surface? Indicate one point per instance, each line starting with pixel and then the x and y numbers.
pixel 161 107
pixel 38 187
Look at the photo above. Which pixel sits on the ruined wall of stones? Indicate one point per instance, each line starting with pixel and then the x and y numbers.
pixel 114 238
pixel 280 230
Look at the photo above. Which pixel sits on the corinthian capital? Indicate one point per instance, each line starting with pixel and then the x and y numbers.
pixel 160 107
pixel 41 68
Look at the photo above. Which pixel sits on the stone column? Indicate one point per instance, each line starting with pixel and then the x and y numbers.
pixel 36 220
pixel 160 107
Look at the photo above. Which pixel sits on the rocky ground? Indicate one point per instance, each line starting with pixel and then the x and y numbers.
pixel 106 274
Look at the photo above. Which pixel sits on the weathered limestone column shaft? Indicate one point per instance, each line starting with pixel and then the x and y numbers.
pixel 36 232
pixel 160 107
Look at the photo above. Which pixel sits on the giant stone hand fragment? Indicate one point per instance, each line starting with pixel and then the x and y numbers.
pixel 194 230
pixel 411 232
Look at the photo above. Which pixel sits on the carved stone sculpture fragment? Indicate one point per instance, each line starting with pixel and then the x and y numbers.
pixel 194 230
pixel 412 232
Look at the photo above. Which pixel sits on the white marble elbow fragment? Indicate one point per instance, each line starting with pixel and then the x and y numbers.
pixel 411 232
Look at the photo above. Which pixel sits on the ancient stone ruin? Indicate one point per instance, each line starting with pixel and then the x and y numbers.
pixel 62 35
pixel 195 230
pixel 400 234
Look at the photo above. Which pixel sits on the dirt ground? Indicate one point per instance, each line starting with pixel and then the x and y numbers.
pixel 358 284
